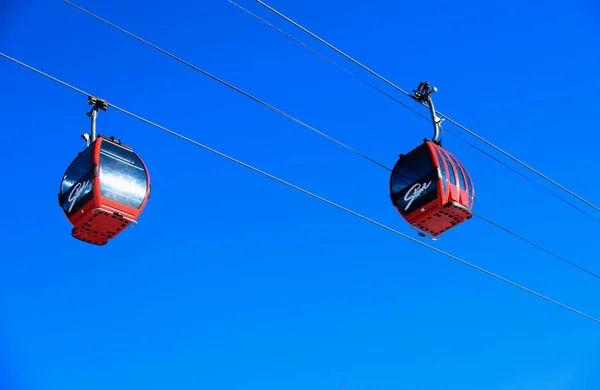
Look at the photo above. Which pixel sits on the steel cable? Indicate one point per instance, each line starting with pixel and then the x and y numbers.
pixel 311 194
pixel 295 119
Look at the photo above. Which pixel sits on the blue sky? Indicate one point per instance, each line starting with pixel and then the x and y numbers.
pixel 232 281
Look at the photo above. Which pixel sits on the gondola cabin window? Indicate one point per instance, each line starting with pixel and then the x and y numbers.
pixel 414 181
pixel 123 177
pixel 76 186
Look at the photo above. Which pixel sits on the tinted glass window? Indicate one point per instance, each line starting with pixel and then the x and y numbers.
pixel 461 177
pixel 76 185
pixel 471 189
pixel 411 168
pixel 451 173
pixel 414 180
pixel 122 175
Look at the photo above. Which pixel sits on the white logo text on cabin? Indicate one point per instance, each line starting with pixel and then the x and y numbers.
pixel 77 190
pixel 415 191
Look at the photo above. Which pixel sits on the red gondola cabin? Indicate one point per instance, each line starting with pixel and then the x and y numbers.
pixel 431 189
pixel 104 190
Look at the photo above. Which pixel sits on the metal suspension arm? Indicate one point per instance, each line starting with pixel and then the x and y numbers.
pixel 98 104
pixel 423 95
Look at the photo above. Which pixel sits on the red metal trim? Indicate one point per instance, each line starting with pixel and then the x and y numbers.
pixel 463 192
pixel 436 164
pixel 445 189
pixel 454 195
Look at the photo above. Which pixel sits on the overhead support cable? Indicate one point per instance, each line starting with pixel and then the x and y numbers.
pixel 372 160
pixel 311 194
pixel 412 109
pixel 425 104
pixel 323 56
pixel 229 85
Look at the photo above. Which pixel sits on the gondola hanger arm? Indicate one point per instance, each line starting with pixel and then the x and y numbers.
pixel 99 104
pixel 423 95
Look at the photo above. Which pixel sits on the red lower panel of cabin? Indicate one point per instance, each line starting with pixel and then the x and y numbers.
pixel 437 220
pixel 99 226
